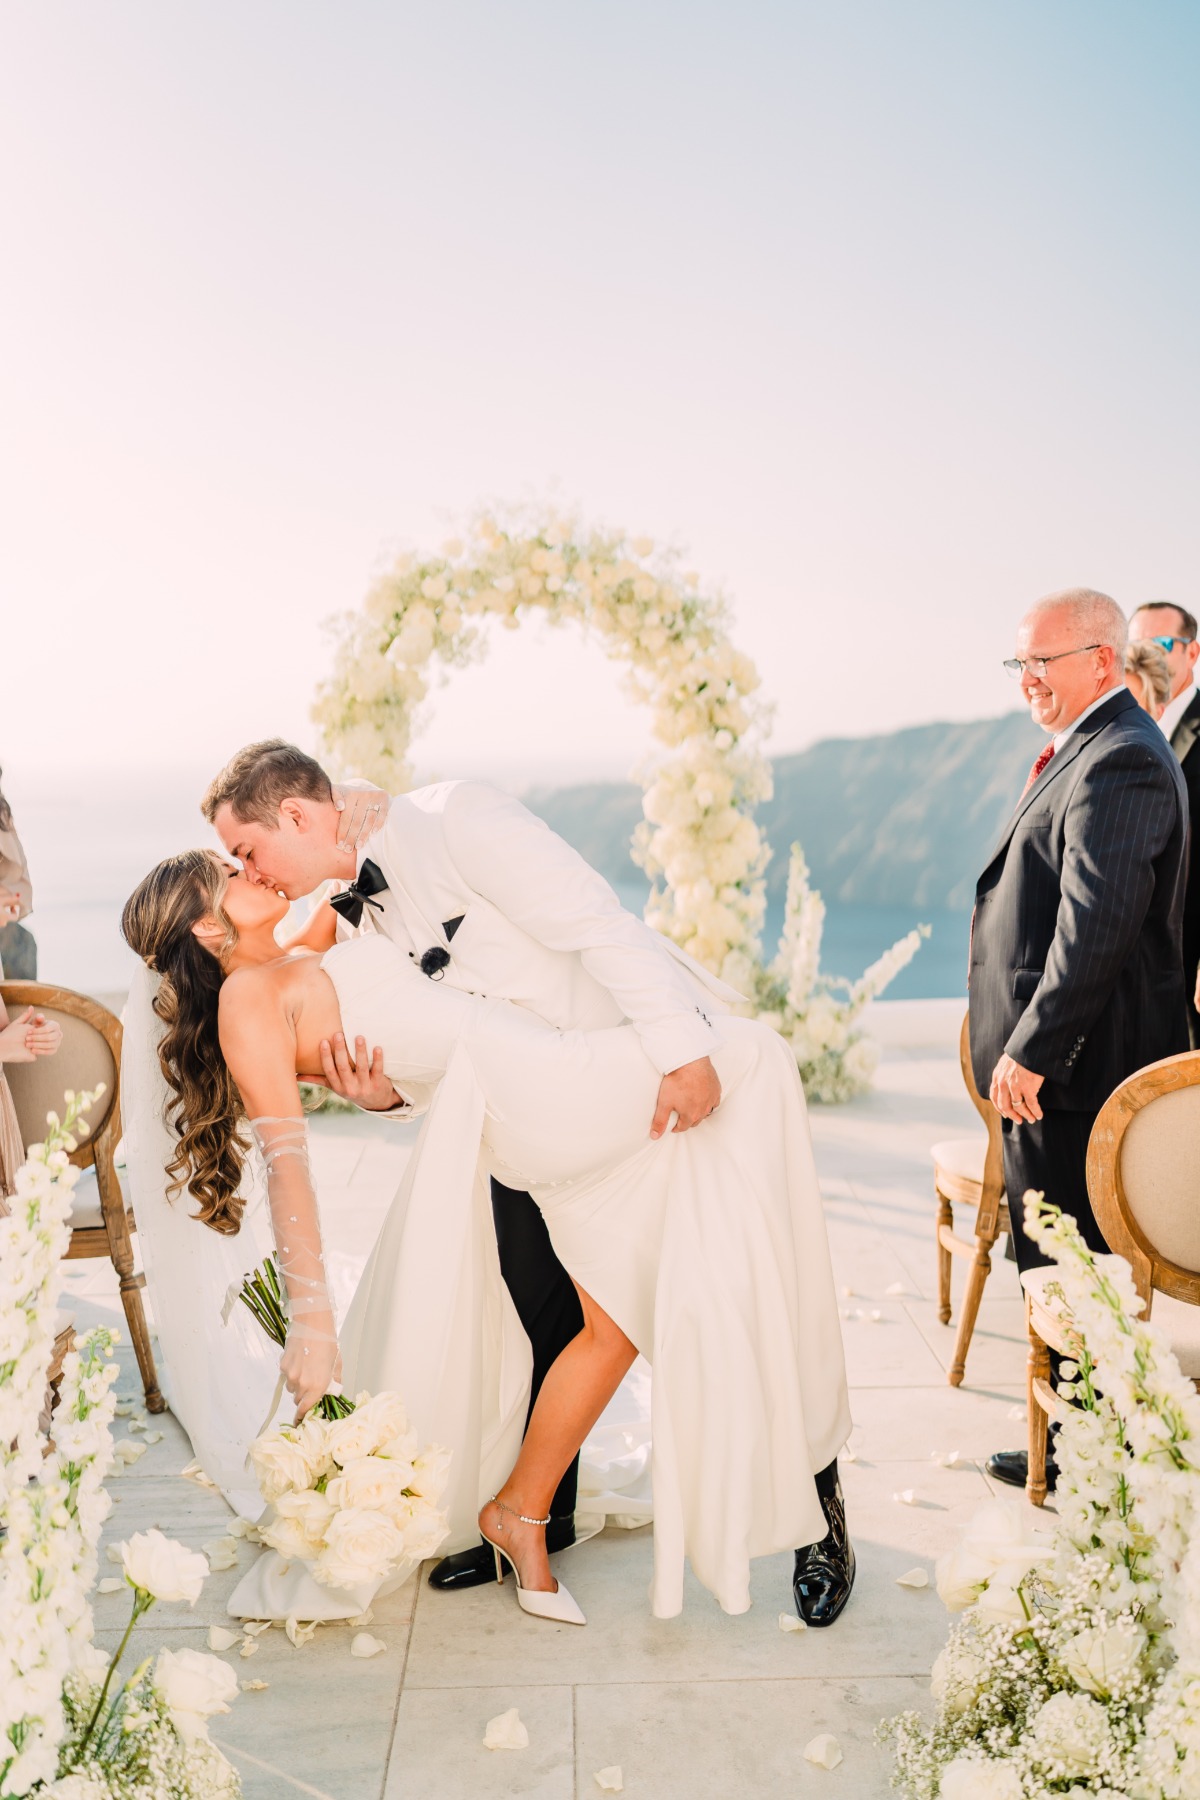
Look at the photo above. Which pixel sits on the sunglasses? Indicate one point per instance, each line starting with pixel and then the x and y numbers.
pixel 1168 643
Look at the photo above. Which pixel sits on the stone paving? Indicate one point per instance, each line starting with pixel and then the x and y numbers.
pixel 691 1708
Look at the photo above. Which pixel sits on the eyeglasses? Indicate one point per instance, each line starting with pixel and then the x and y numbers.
pixel 1167 643
pixel 1036 665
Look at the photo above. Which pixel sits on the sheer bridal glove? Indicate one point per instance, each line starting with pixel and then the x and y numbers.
pixel 310 1363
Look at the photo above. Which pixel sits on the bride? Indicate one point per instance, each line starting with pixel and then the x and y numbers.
pixel 686 1248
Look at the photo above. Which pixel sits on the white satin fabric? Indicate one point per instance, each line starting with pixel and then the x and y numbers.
pixel 708 1248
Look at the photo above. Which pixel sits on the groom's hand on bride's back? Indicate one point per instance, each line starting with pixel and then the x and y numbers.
pixel 691 1093
pixel 359 1079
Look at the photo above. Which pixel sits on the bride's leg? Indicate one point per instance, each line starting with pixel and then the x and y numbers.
pixel 578 1387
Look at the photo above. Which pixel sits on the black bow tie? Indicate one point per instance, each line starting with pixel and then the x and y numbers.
pixel 370 880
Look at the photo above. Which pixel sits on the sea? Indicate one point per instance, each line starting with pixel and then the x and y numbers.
pixel 87 853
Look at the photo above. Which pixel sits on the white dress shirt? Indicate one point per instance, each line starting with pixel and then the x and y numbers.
pixel 1174 710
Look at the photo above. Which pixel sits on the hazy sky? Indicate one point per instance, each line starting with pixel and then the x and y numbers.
pixel 887 311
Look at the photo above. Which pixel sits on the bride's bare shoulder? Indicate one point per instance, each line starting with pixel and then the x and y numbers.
pixel 261 990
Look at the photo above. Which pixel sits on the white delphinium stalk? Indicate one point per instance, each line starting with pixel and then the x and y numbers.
pixel 798 960
pixel 50 1508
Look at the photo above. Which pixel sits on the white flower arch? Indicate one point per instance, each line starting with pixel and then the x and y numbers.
pixel 698 842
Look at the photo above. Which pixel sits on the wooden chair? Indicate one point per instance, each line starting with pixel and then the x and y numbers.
pixel 101 1220
pixel 1141 1176
pixel 968 1172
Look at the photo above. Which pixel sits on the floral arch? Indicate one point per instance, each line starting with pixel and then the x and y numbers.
pixel 698 842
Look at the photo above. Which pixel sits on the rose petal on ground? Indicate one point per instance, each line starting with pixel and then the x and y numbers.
pixel 823 1750
pixel 848 1293
pixel 362 1618
pixel 849 1455
pixel 299 1634
pixel 897 1287
pixel 113 1554
pixel 789 1622
pixel 876 1316
pixel 1016 1412
pixel 154 1437
pixel 610 1781
pixel 220 1639
pixel 249 1647
pixel 253 1687
pixel 112 1584
pixel 216 1545
pixel 138 1424
pixel 123 1408
pixel 222 1559
pixel 252 1627
pixel 913 1578
pixel 128 1451
pixel 240 1528
pixel 363 1644
pixel 506 1732
pixel 906 1496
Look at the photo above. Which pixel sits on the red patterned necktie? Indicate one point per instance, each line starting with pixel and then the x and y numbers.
pixel 1037 768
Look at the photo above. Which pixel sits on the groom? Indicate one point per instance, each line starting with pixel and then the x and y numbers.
pixel 483 895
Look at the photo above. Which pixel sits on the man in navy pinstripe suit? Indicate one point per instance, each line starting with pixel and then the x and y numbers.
pixel 1076 952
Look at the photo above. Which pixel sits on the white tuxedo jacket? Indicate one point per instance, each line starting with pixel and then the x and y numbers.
pixel 537 924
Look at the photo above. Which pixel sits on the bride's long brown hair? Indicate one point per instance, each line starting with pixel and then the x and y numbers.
pixel 207 1109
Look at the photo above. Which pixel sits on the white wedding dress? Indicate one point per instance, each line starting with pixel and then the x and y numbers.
pixel 708 1249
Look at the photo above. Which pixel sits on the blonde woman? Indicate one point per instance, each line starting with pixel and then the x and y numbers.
pixel 1147 677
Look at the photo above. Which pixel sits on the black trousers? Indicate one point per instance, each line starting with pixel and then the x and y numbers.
pixel 545 1298
pixel 1051 1157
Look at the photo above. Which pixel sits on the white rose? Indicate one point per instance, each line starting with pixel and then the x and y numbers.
pixel 360 1546
pixel 294 1456
pixel 376 1483
pixel 296 1527
pixel 958 1676
pixel 193 1687
pixel 1071 1730
pixel 1105 1662
pixel 375 1421
pixel 968 1778
pixel 1000 1603
pixel 163 1568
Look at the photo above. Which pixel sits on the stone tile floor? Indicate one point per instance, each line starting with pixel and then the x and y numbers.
pixel 691 1708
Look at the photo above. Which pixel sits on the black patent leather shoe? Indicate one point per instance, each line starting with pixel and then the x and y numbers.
pixel 471 1568
pixel 825 1571
pixel 1012 1467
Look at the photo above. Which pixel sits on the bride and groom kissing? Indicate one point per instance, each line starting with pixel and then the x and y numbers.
pixel 612 1161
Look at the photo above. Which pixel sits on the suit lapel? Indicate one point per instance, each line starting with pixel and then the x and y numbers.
pixel 1187 731
pixel 1062 759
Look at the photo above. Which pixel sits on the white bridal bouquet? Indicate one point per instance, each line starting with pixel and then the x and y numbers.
pixel 1075 1666
pixel 352 1493
pixel 65 1731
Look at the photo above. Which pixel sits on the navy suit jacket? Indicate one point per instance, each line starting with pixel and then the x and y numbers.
pixel 1076 952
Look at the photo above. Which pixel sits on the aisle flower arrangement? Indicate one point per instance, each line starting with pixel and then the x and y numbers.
pixel 698 840
pixel 64 1730
pixel 820 1015
pixel 1075 1666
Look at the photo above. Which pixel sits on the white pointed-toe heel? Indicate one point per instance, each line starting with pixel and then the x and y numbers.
pixel 558 1606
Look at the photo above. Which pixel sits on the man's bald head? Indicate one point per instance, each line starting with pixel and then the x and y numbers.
pixel 1095 617
pixel 1073 646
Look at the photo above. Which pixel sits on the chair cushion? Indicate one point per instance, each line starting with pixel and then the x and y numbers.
pixel 1176 1318
pixel 963 1157
pixel 85 1202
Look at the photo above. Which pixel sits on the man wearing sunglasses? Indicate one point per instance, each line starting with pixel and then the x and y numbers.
pixel 1175 632
pixel 1076 953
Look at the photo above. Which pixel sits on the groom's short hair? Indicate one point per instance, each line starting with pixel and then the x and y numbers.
pixel 256 782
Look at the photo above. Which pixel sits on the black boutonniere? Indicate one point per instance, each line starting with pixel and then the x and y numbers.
pixel 433 962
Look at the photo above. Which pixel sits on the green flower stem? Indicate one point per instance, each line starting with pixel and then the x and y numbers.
pixel 142 1602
